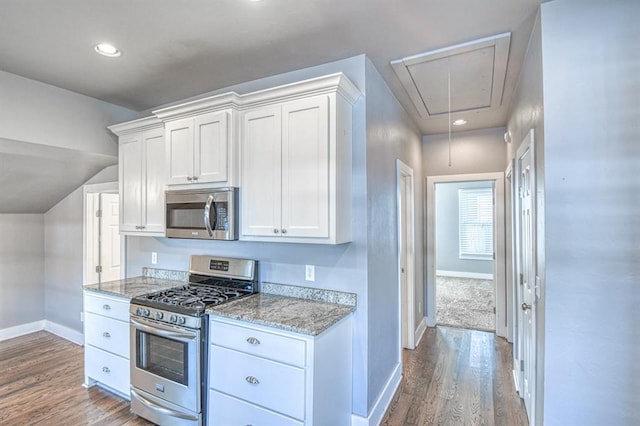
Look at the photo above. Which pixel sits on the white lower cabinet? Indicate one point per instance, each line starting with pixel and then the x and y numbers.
pixel 106 338
pixel 265 376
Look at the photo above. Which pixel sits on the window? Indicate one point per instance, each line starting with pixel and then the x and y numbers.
pixel 475 213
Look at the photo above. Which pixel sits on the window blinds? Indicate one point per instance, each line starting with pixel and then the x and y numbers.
pixel 475 214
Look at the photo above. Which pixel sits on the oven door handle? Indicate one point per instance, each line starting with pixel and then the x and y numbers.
pixel 157 329
pixel 207 215
pixel 152 405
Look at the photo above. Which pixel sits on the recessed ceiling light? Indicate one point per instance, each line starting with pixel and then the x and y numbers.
pixel 460 122
pixel 107 49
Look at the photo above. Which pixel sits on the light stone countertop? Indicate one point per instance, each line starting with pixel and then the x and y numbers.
pixel 129 288
pixel 298 315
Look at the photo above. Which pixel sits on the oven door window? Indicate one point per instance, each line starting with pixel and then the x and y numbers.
pixel 163 357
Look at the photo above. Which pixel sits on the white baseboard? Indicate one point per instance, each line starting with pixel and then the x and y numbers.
pixel 382 403
pixel 21 330
pixel 422 327
pixel 70 334
pixel 458 274
pixel 52 327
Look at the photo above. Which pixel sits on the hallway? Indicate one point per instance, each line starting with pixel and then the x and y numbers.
pixel 457 377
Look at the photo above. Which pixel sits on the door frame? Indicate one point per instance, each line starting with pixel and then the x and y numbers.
pixel 406 313
pixel 91 230
pixel 502 318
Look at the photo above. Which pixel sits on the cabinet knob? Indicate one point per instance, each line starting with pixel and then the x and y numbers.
pixel 275 231
pixel 189 178
pixel 252 380
pixel 106 369
pixel 106 307
pixel 284 231
pixel 106 334
pixel 195 178
pixel 253 341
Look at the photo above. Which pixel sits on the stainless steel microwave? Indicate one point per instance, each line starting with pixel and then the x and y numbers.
pixel 206 214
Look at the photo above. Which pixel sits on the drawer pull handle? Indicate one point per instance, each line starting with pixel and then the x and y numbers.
pixel 106 334
pixel 106 369
pixel 106 307
pixel 253 341
pixel 252 380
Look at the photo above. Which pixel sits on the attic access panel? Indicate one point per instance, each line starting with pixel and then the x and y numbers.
pixel 477 69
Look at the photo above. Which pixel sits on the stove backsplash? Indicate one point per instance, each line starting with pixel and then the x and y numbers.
pixel 165 274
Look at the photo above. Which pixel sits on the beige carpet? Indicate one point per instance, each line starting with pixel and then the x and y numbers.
pixel 465 303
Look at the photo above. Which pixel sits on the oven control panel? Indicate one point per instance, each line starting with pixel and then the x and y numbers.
pixel 165 317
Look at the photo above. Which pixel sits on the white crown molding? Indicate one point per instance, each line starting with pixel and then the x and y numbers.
pixel 199 106
pixel 139 125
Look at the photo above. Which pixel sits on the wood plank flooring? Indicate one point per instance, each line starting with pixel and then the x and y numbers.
pixel 41 379
pixel 457 377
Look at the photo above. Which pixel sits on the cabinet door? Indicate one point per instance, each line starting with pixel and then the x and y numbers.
pixel 261 177
pixel 180 151
pixel 211 147
pixel 155 176
pixel 305 167
pixel 130 169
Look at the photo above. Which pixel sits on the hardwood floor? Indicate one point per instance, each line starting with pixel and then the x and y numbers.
pixel 457 377
pixel 41 379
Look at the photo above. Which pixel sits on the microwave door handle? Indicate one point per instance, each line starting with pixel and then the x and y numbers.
pixel 207 215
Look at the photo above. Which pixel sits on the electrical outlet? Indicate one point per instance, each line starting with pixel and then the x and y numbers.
pixel 154 258
pixel 309 272
pixel 81 316
pixel 419 307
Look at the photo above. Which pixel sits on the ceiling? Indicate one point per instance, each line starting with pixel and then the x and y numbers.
pixel 175 49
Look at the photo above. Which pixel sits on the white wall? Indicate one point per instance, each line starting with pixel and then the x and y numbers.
pixel 475 151
pixel 591 70
pixel 21 269
pixel 390 135
pixel 48 115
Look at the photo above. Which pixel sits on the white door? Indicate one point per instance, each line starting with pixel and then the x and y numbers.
pixel 131 180
pixel 406 253
pixel 305 168
pixel 211 142
pixel 109 237
pixel 261 172
pixel 153 209
pixel 527 274
pixel 403 259
pixel 179 151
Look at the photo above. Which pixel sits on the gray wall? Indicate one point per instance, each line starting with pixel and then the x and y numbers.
pixel 591 70
pixel 390 135
pixel 447 230
pixel 21 269
pixel 476 151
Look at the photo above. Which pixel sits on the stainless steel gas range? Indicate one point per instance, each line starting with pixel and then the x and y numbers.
pixel 169 339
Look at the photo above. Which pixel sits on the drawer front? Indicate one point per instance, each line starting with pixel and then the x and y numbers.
pixel 107 333
pixel 107 368
pixel 278 387
pixel 107 306
pixel 260 343
pixel 226 410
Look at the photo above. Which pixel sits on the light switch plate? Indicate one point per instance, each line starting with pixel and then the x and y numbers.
pixel 154 258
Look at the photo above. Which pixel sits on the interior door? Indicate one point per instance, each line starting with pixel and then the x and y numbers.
pixel 526 262
pixel 109 237
pixel 403 260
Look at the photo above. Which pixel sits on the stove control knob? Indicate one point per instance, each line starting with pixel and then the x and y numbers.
pixel 181 320
pixel 138 311
pixel 146 312
pixel 173 318
pixel 159 315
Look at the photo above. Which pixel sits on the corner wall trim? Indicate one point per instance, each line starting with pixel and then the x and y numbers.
pixel 21 330
pixel 67 333
pixel 46 325
pixel 381 405
pixel 422 327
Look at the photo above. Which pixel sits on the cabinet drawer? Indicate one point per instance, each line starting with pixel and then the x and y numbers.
pixel 268 345
pixel 226 410
pixel 107 306
pixel 275 386
pixel 107 368
pixel 107 333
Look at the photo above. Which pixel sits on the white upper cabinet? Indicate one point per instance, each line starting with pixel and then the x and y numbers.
pixel 201 142
pixel 142 176
pixel 296 164
pixel 197 149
